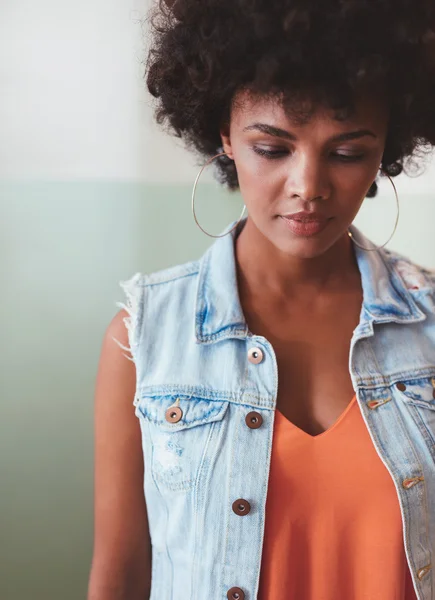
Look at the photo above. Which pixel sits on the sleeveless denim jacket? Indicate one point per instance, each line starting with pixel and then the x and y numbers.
pixel 206 396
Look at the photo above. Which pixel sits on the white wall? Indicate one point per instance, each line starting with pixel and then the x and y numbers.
pixel 73 103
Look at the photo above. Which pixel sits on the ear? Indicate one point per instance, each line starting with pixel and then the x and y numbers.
pixel 226 140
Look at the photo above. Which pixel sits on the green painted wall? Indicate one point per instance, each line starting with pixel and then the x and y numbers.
pixel 63 249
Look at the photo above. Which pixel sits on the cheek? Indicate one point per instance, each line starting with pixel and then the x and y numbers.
pixel 348 209
pixel 250 169
pixel 347 204
pixel 256 179
pixel 259 191
pixel 351 185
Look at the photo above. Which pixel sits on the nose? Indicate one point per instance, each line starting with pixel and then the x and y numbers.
pixel 307 179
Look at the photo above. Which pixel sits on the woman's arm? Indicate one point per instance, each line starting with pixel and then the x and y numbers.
pixel 121 565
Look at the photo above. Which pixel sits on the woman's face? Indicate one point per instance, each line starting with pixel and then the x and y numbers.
pixel 284 168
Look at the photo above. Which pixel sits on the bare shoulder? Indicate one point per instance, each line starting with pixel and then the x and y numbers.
pixel 116 376
pixel 121 558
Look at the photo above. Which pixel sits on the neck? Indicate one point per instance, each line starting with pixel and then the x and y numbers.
pixel 262 266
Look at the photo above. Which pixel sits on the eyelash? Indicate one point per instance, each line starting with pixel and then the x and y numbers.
pixel 273 155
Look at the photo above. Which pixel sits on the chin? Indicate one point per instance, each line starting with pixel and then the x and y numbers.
pixel 306 246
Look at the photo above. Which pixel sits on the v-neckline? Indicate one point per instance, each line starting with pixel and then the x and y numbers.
pixel 323 434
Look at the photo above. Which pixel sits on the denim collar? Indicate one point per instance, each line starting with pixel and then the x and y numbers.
pixel 219 314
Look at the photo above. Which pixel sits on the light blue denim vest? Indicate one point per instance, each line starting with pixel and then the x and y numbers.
pixel 206 400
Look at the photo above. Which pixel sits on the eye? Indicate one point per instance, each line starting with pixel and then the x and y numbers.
pixel 274 154
pixel 349 157
pixel 271 154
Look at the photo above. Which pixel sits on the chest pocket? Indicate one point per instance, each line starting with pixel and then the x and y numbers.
pixel 419 396
pixel 183 434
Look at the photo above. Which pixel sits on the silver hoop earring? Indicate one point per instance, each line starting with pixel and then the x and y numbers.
pixel 193 201
pixel 395 225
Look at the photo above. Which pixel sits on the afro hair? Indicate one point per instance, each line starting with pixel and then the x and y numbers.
pixel 326 51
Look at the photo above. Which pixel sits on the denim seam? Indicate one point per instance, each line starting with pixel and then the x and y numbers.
pixel 170 280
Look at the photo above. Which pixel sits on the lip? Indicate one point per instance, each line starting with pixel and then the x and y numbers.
pixel 304 224
pixel 306 217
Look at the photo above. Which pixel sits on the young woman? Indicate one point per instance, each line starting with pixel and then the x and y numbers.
pixel 283 427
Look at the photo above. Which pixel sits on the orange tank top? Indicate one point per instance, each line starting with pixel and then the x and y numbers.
pixel 333 524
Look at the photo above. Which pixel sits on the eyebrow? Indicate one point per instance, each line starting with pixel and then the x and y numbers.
pixel 282 133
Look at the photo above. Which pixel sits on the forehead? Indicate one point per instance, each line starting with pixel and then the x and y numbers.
pixel 370 110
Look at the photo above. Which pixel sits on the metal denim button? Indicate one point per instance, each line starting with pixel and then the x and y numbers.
pixel 241 507
pixel 372 404
pixel 401 386
pixel 173 414
pixel 254 420
pixel 255 355
pixel 422 572
pixel 236 593
pixel 409 483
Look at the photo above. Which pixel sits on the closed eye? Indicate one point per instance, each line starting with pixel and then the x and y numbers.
pixel 275 154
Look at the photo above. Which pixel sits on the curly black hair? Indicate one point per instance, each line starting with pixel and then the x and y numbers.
pixel 301 52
